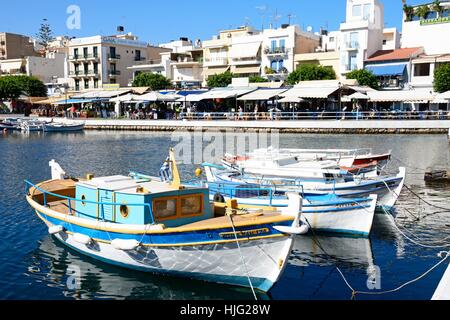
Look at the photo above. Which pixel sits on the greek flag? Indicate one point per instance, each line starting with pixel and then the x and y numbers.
pixel 166 171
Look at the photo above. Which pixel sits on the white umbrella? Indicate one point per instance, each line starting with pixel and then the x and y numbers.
pixel 126 98
pixel 155 96
pixel 291 99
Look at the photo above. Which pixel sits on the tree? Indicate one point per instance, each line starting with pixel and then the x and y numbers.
pixel 442 78
pixel 364 78
pixel 11 87
pixel 409 12
pixel 45 34
pixel 220 80
pixel 309 72
pixel 422 11
pixel 436 6
pixel 257 79
pixel 155 81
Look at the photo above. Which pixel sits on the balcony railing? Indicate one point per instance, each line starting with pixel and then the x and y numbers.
pixel 351 67
pixel 352 45
pixel 113 56
pixel 113 73
pixel 276 51
pixel 83 57
pixel 216 61
pixel 139 58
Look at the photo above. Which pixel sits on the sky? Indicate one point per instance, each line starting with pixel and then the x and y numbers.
pixel 162 21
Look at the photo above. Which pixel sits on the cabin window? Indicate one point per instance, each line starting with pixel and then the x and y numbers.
pixel 165 208
pixel 124 211
pixel 83 198
pixel 191 205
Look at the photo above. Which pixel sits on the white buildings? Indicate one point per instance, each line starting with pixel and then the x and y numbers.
pixel 362 33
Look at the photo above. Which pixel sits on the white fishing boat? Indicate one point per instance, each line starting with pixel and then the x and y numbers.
pixel 387 188
pixel 63 127
pixel 166 228
pixel 32 126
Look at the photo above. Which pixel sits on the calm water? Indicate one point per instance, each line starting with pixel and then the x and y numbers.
pixel 34 266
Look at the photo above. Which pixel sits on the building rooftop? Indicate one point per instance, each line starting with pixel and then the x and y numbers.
pixel 397 54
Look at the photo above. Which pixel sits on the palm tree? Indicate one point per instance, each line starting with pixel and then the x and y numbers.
pixel 408 10
pixel 422 11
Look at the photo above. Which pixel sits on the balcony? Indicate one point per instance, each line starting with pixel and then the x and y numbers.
pixel 278 51
pixel 187 61
pixel 352 45
pixel 78 74
pixel 114 73
pixel 137 59
pixel 245 61
pixel 210 62
pixel 93 73
pixel 113 57
pixel 81 57
pixel 350 67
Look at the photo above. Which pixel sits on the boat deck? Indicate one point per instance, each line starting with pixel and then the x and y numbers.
pixel 443 290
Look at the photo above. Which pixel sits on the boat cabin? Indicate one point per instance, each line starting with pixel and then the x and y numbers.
pixel 127 200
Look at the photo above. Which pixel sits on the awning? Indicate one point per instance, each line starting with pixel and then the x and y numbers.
pixel 107 94
pixel 245 50
pixel 262 94
pixel 155 96
pixel 312 93
pixel 75 101
pixel 246 70
pixel 291 100
pixel 417 96
pixel 387 70
pixel 213 71
pixel 443 96
pixel 355 96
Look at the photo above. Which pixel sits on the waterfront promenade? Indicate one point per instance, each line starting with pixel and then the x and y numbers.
pixel 293 126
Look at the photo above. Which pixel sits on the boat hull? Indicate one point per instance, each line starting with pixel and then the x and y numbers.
pixel 187 254
pixel 65 128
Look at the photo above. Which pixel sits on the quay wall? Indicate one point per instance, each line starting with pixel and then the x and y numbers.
pixel 307 126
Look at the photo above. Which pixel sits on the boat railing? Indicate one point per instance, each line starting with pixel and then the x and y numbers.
pixel 233 190
pixel 45 193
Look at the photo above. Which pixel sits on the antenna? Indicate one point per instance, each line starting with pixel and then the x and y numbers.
pixel 262 11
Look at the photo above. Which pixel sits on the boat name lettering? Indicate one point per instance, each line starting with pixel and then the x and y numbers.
pixel 246 233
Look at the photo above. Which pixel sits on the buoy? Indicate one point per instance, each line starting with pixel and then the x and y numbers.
pixel 55 229
pixel 198 172
pixel 125 245
pixel 81 238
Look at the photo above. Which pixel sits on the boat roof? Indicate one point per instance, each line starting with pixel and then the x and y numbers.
pixel 126 184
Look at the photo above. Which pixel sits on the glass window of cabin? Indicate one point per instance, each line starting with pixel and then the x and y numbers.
pixel 356 10
pixel 422 70
pixel 164 208
pixel 191 205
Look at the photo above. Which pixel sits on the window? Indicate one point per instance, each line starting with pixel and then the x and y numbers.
pixel 75 53
pixel 86 68
pixel 95 67
pixel 77 85
pixel 280 64
pixel 282 44
pixel 112 52
pixel 384 42
pixel 191 205
pixel 274 45
pixel 95 83
pixel 85 52
pixel 273 65
pixel 164 209
pixel 138 55
pixel 331 39
pixel 422 70
pixel 95 50
pixel 356 10
pixel 366 11
pixel 86 84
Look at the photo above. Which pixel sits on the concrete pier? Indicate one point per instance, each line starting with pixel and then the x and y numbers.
pixel 306 126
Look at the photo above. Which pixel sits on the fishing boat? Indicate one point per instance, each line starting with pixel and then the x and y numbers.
pixel 387 188
pixel 344 157
pixel 327 213
pixel 10 124
pixel 32 126
pixel 167 228
pixel 63 127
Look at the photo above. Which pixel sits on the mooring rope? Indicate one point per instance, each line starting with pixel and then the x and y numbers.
pixel 242 257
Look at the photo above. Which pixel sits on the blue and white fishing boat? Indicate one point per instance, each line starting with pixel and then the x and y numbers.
pixel 387 188
pixel 325 213
pixel 166 228
pixel 10 124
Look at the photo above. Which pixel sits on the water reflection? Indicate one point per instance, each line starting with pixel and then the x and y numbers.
pixel 53 264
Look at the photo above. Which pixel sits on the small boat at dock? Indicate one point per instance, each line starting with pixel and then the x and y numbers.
pixel 63 127
pixel 167 228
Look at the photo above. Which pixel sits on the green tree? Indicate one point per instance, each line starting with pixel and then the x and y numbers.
pixel 409 12
pixel 436 6
pixel 422 11
pixel 45 34
pixel 11 87
pixel 220 80
pixel 364 77
pixel 442 78
pixel 153 80
pixel 257 79
pixel 309 72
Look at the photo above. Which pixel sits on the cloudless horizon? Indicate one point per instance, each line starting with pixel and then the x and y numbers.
pixel 158 22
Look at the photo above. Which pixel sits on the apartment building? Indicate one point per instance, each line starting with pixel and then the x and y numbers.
pixel 15 46
pixel 217 51
pixel 180 61
pixel 362 33
pixel 99 60
pixel 280 47
pixel 431 33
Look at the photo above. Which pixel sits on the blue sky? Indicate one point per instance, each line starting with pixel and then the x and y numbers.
pixel 162 21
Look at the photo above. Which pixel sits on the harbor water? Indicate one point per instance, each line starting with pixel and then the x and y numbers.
pixel 34 266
